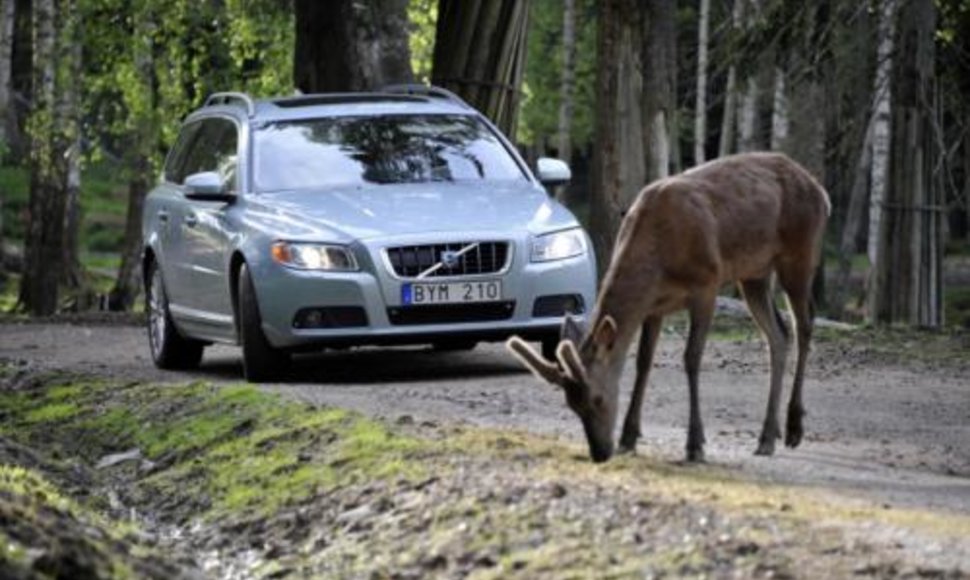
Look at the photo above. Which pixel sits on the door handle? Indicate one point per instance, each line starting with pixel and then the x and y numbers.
pixel 191 220
pixel 163 216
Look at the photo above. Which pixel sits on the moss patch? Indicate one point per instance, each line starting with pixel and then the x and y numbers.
pixel 288 488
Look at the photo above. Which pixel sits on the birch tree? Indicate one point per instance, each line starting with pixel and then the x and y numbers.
pixel 44 245
pixel 726 144
pixel 564 132
pixel 907 286
pixel 659 61
pixel 882 105
pixel 700 101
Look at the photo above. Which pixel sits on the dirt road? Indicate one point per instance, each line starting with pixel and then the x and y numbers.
pixel 894 431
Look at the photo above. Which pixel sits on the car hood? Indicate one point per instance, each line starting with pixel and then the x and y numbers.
pixel 386 211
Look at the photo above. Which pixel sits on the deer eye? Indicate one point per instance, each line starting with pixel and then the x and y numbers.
pixel 598 402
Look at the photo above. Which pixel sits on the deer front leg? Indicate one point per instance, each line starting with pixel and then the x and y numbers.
pixel 701 314
pixel 649 334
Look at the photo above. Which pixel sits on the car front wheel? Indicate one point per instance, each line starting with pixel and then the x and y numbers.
pixel 170 350
pixel 261 362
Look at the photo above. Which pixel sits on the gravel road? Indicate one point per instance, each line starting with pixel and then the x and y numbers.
pixel 894 432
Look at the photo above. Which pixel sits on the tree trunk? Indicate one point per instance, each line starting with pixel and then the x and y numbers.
pixel 659 60
pixel 700 102
pixel 779 112
pixel 854 221
pixel 882 105
pixel 44 246
pixel 908 281
pixel 480 55
pixel 68 119
pixel 618 158
pixel 564 129
pixel 7 16
pixel 347 45
pixel 138 158
pixel 128 283
pixel 726 146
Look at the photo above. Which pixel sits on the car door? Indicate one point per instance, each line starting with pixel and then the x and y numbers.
pixel 204 225
pixel 166 212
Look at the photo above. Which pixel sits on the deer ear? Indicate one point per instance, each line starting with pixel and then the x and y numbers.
pixel 569 359
pixel 533 361
pixel 605 334
pixel 572 330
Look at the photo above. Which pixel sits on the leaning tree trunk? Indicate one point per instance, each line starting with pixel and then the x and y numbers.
pixel 44 245
pixel 479 54
pixel 347 45
pixel 908 281
pixel 567 87
pixel 618 159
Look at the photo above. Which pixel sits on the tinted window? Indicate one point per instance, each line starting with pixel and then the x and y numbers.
pixel 214 149
pixel 176 158
pixel 379 149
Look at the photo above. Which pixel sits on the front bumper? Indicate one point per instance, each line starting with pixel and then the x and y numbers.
pixel 283 292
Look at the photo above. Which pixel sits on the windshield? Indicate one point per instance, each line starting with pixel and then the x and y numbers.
pixel 311 153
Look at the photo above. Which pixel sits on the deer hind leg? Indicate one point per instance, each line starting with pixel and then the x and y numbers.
pixel 757 293
pixel 648 345
pixel 797 282
pixel 701 313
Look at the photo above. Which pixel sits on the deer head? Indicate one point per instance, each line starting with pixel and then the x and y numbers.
pixel 588 374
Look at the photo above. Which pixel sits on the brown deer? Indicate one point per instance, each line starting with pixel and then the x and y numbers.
pixel 737 219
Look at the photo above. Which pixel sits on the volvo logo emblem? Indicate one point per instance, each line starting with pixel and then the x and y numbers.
pixel 450 259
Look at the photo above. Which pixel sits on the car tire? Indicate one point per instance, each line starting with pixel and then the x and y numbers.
pixel 261 362
pixel 170 350
pixel 455 345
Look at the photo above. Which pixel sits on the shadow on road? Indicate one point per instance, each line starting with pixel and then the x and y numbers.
pixel 374 365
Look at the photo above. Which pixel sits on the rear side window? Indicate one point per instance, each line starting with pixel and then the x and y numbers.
pixel 214 148
pixel 176 158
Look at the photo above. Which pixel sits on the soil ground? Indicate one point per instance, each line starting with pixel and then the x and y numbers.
pixel 888 425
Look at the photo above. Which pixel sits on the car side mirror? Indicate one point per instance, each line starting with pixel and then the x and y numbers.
pixel 553 172
pixel 207 186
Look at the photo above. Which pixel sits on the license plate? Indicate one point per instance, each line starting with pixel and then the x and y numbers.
pixel 451 292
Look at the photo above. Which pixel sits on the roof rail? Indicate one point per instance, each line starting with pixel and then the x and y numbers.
pixel 425 90
pixel 229 98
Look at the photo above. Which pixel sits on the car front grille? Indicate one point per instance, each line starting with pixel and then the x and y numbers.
pixel 451 313
pixel 482 258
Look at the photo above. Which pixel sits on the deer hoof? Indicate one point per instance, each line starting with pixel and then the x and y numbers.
pixel 766 447
pixel 793 430
pixel 695 455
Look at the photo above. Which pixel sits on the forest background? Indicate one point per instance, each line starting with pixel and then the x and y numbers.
pixel 870 96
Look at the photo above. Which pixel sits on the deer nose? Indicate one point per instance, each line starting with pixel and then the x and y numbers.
pixel 600 453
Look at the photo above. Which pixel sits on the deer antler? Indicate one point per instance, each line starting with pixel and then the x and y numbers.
pixel 569 359
pixel 534 361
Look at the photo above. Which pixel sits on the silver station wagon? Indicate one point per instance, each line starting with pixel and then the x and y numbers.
pixel 335 220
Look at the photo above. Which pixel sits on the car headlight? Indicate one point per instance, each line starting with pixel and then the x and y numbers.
pixel 558 245
pixel 315 256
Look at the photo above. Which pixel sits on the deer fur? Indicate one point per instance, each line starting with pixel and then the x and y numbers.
pixel 742 219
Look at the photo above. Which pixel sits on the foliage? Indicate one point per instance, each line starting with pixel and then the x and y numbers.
pixel 423 15
pixel 541 87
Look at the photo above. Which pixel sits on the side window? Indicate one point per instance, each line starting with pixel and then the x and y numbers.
pixel 175 163
pixel 214 149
